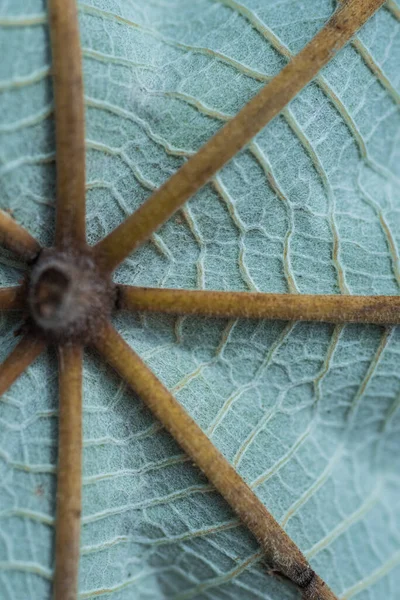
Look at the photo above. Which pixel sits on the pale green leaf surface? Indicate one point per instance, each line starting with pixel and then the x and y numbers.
pixel 309 414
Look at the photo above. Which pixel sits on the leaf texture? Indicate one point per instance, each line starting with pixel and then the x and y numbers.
pixel 308 413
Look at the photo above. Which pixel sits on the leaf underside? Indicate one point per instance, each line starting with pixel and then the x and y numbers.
pixel 308 413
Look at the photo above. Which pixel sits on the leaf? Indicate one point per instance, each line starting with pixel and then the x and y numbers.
pixel 309 414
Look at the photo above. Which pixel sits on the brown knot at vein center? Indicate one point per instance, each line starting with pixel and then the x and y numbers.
pixel 69 298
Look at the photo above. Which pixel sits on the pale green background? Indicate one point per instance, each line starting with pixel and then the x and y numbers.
pixel 309 414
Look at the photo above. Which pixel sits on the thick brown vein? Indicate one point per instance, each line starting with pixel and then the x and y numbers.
pixel 70 122
pixel 12 298
pixel 69 474
pixel 237 133
pixel 24 354
pixel 288 307
pixel 16 238
pixel 279 550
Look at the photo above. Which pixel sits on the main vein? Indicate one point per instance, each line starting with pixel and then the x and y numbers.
pixel 231 138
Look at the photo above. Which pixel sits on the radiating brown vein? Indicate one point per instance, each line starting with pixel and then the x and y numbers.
pixel 70 122
pixel 12 298
pixel 17 239
pixel 320 79
pixel 236 133
pixel 26 351
pixel 280 551
pixel 69 473
pixel 256 305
